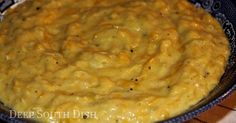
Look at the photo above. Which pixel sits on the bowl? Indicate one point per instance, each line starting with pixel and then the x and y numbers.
pixel 225 12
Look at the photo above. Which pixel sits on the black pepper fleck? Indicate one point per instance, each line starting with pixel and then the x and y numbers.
pixel 117 120
pixel 131 50
pixel 149 67
pixel 23 19
pixel 206 75
pixel 38 8
pixel 136 80
pixel 131 89
pixel 85 116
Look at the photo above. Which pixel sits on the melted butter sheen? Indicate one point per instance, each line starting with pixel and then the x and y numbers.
pixel 128 61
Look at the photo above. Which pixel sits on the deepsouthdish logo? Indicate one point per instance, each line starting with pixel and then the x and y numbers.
pixel 53 115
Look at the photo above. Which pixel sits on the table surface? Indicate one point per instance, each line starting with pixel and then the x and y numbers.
pixel 224 112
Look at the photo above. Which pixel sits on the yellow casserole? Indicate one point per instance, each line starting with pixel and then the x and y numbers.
pixel 111 61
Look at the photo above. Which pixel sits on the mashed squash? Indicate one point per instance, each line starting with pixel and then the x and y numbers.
pixel 124 61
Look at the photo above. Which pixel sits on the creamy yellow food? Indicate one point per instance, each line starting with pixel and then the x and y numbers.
pixel 125 60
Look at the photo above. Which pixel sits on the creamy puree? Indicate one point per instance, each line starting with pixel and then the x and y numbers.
pixel 128 61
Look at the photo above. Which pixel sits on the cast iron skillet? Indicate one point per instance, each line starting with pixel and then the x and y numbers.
pixel 225 12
